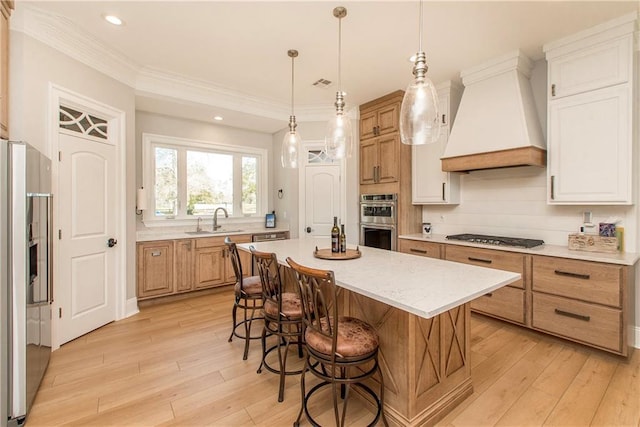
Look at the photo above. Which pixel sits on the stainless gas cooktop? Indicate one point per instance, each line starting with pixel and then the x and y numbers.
pixel 497 240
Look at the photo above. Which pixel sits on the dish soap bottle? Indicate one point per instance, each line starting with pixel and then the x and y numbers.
pixel 335 236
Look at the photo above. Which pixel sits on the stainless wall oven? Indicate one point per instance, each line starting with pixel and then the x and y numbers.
pixel 378 220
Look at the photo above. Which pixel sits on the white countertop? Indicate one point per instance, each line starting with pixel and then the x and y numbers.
pixel 423 286
pixel 622 258
pixel 171 233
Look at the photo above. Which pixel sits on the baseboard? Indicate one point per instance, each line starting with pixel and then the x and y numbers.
pixel 131 307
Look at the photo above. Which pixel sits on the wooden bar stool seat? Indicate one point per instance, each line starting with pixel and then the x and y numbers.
pixel 282 318
pixel 248 298
pixel 341 351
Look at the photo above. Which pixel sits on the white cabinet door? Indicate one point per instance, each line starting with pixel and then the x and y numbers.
pixel 590 147
pixel 430 185
pixel 601 65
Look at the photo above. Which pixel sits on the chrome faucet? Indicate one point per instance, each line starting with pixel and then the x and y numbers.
pixel 198 228
pixel 215 218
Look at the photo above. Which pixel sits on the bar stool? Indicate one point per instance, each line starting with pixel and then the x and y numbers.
pixel 282 317
pixel 248 293
pixel 341 351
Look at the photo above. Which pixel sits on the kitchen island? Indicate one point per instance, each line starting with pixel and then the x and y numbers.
pixel 420 308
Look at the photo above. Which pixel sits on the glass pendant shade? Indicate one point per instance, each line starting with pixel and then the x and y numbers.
pixel 291 141
pixel 419 114
pixel 339 140
pixel 290 149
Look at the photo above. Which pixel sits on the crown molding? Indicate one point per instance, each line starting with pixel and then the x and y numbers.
pixel 63 35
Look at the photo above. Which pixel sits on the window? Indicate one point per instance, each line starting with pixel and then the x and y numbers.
pixel 194 178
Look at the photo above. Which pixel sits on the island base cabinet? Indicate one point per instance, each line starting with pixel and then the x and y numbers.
pixel 506 303
pixel 425 362
pixel 578 321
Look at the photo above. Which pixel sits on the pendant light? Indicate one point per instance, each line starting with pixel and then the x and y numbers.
pixel 339 139
pixel 419 116
pixel 291 142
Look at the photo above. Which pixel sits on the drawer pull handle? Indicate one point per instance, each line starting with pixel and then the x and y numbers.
pixel 418 251
pixel 490 294
pixel 573 315
pixel 570 274
pixel 486 261
pixel 156 253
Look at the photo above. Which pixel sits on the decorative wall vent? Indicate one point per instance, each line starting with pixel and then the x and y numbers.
pixel 83 123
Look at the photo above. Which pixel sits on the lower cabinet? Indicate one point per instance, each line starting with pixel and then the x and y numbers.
pixel 155 268
pixel 583 301
pixel 508 303
pixel 176 266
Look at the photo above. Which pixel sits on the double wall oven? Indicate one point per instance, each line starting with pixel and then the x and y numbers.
pixel 379 220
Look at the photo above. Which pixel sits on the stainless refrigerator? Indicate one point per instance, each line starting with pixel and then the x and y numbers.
pixel 25 276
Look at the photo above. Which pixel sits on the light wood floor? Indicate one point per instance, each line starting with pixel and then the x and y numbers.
pixel 171 364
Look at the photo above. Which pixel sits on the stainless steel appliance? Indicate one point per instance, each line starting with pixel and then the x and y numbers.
pixel 266 237
pixel 497 240
pixel 25 275
pixel 379 220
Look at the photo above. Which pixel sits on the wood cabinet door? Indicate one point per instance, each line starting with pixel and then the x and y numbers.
pixel 155 268
pixel 184 265
pixel 368 123
pixel 368 161
pixel 210 267
pixel 389 158
pixel 388 117
pixel 590 147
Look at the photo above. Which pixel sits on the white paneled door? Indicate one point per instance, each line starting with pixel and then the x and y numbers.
pixel 321 192
pixel 86 259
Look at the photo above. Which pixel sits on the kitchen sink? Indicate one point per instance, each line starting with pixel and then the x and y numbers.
pixel 205 232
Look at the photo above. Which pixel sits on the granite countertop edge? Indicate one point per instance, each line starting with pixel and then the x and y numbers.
pixel 150 235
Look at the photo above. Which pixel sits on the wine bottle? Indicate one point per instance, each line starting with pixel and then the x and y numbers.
pixel 343 239
pixel 335 236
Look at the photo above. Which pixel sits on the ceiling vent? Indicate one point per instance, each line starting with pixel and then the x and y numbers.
pixel 322 83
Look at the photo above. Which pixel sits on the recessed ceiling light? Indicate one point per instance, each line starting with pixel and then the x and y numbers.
pixel 112 19
pixel 218 118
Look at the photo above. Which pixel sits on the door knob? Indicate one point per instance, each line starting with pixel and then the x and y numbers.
pixel 308 229
pixel 112 242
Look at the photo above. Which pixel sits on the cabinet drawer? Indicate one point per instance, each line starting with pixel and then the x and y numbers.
pixel 507 303
pixel 589 323
pixel 416 247
pixel 587 281
pixel 489 258
pixel 601 65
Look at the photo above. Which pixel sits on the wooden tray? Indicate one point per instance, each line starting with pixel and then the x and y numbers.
pixel 327 254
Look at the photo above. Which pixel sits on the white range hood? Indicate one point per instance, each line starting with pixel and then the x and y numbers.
pixel 497 124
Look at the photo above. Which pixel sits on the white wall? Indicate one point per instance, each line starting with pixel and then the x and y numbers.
pixel 288 181
pixel 33 66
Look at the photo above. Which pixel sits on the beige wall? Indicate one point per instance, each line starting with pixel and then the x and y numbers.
pixel 33 67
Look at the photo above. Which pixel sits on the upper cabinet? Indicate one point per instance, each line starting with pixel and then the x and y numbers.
pixel 430 185
pixel 5 12
pixel 590 115
pixel 380 150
